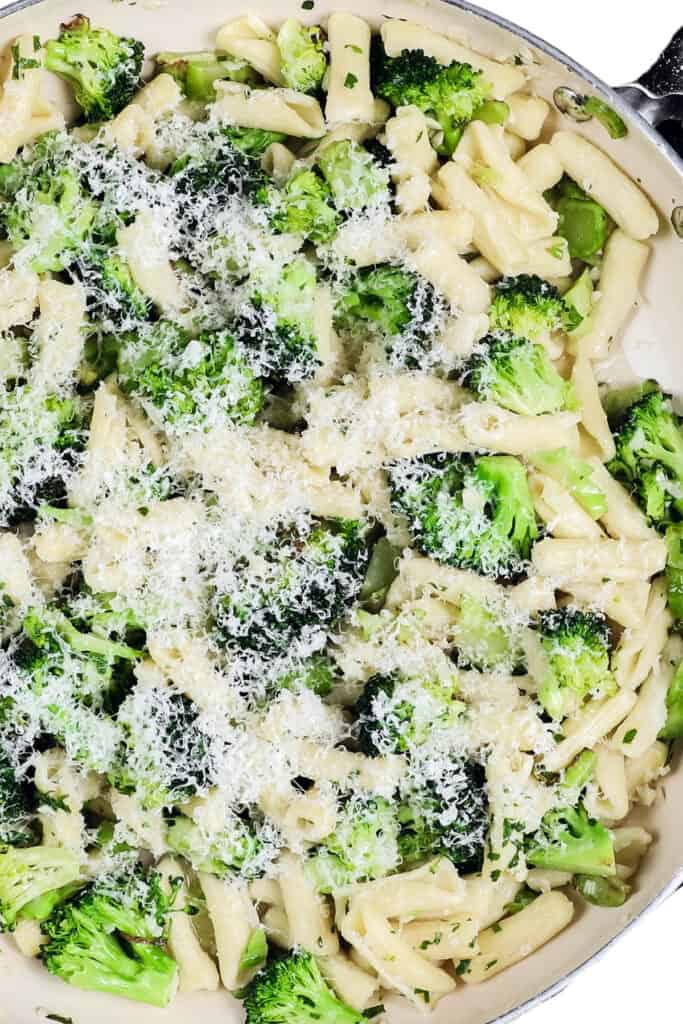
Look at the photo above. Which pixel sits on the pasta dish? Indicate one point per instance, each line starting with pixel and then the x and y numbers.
pixel 338 592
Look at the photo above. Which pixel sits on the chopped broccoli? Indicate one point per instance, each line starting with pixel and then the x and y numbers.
pixel 17 807
pixel 317 673
pixel 531 308
pixel 569 840
pixel 395 714
pixel 673 727
pixel 575 475
pixel 41 907
pixel 475 514
pixel 602 892
pixel 277 329
pixel 253 142
pixel 188 383
pixel 303 578
pixel 583 222
pixel 484 638
pixel 291 990
pixel 106 940
pixel 197 72
pixel 166 756
pixel 579 773
pixel 236 850
pixel 518 375
pixel 577 656
pixel 255 952
pixel 302 49
pixel 674 569
pixel 41 439
pixel 399 306
pixel 617 401
pixel 103 68
pixel 363 846
pixel 451 95
pixel 302 207
pixel 26 874
pixel 446 817
pixel 46 214
pixel 218 163
pixel 112 296
pixel 649 457
pixel 355 178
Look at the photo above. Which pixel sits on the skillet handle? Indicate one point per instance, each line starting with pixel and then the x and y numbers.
pixel 658 94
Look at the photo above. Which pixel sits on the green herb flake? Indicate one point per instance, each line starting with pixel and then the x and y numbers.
pixel 374 1011
pixel 58 1018
pixel 307 5
pixel 353 48
pixel 463 967
pixel 350 80
pixel 422 992
pixel 490 964
pixel 630 736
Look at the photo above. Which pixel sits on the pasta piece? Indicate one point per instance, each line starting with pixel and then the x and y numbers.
pixel 197 971
pixel 644 771
pixel 277 161
pixel 545 880
pixel 406 136
pixel 516 937
pixel 452 226
pixel 542 167
pixel 252 40
pixel 609 799
pixel 277 927
pixel 595 561
pixel 29 937
pixel 234 919
pixel 533 594
pixel 354 986
pixel 408 35
pixel 593 418
pixel 377 774
pixel 266 890
pixel 439 263
pixel 349 97
pixel 622 269
pixel 515 145
pixel 61 782
pixel 442 939
pixel 142 245
pixel 640 730
pixel 623 519
pixel 486 899
pixel 588 727
pixel 25 114
pixel 60 332
pixel 623 602
pixel 274 110
pixel 641 646
pixel 147 828
pixel 302 817
pixel 329 347
pixel 18 297
pixel 132 130
pixel 308 914
pixel 159 97
pixel 487 425
pixel 15 571
pixel 562 514
pixel 608 184
pixel 60 542
pixel 528 115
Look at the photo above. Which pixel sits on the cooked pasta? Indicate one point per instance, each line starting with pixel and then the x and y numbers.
pixel 338 593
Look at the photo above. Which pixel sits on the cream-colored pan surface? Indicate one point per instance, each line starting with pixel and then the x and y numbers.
pixel 652 346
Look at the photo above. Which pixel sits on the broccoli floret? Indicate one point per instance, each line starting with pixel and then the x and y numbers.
pixel 399 307
pixel 291 990
pixel 302 49
pixel 106 940
pixel 474 514
pixel 253 142
pixel 518 375
pixel 577 656
pixel 46 213
pixel 569 840
pixel 277 330
pixel 649 457
pixel 395 714
pixel 483 638
pixel 363 846
pixel 303 206
pixel 113 298
pixel 673 727
pixel 237 849
pixel 166 756
pixel 26 874
pixel 103 68
pixel 41 439
pixel 303 577
pixel 575 475
pixel 583 222
pixel 189 383
pixel 198 72
pixel 317 673
pixel 451 95
pixel 674 569
pixel 17 807
pixel 446 817
pixel 530 308
pixel 218 163
pixel 355 178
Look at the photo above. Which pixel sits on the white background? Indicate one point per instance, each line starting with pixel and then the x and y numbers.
pixel 638 979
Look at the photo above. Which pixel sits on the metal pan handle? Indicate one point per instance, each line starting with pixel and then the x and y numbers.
pixel 658 94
